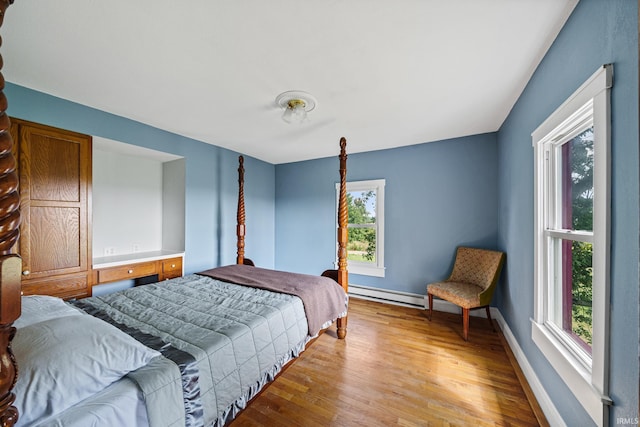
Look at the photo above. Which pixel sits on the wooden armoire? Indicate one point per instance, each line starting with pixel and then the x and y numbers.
pixel 54 168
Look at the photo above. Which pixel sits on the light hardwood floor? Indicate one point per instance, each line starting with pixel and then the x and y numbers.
pixel 396 368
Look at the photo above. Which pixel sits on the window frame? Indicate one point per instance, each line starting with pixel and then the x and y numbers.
pixel 587 377
pixel 376 269
pixel 554 230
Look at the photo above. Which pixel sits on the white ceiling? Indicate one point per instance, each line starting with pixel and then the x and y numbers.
pixel 385 73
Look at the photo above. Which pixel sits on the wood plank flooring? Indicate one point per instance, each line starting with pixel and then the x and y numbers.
pixel 396 368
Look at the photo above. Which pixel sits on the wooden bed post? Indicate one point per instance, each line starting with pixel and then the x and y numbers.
pixel 240 229
pixel 10 264
pixel 343 274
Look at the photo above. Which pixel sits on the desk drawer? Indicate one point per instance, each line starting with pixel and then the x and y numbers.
pixel 131 271
pixel 171 268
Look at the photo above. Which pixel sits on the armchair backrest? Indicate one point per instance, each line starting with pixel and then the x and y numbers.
pixel 478 266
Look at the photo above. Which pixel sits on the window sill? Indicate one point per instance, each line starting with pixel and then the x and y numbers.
pixel 571 370
pixel 366 270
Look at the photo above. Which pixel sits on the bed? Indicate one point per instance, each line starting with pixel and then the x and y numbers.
pixel 196 348
pixel 189 351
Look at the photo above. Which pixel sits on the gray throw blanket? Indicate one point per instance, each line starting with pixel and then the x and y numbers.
pixel 323 298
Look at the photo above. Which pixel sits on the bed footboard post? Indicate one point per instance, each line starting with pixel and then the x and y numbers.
pixel 343 235
pixel 240 230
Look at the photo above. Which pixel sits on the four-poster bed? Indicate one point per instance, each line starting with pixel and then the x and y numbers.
pixel 340 275
pixel 10 264
pixel 197 352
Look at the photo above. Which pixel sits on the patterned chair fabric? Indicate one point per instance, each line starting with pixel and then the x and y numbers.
pixel 477 266
pixel 471 283
pixel 462 294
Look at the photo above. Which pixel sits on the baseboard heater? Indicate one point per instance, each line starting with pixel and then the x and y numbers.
pixel 387 296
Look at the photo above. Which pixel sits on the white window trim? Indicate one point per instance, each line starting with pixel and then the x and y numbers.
pixel 588 382
pixel 368 269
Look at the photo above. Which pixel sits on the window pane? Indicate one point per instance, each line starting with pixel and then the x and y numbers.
pixel 577 182
pixel 362 245
pixel 582 292
pixel 573 290
pixel 362 207
pixel 362 226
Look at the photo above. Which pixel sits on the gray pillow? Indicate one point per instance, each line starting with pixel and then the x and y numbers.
pixel 36 308
pixel 64 360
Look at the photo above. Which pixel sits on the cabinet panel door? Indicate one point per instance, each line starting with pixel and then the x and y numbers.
pixel 55 239
pixel 55 167
pixel 55 185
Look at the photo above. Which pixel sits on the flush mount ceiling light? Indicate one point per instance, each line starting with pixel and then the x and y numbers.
pixel 296 105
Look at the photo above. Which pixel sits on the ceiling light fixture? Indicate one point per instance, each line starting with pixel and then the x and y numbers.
pixel 296 105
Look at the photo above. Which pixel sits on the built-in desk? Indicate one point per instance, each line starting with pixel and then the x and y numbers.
pixel 165 264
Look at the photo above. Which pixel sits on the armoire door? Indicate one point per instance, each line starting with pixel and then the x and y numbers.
pixel 55 190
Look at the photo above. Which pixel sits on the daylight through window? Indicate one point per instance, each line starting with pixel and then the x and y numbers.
pixel 365 204
pixel 572 190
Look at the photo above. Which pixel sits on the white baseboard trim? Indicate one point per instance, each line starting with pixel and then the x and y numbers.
pixel 420 301
pixel 547 406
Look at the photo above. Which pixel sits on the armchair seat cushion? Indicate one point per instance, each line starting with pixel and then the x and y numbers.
pixel 465 295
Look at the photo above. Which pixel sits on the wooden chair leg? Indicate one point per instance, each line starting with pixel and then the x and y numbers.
pixel 430 305
pixel 490 319
pixel 465 324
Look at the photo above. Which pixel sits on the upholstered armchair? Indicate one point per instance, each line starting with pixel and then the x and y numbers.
pixel 471 283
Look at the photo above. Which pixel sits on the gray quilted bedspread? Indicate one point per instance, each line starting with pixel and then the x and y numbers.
pixel 321 296
pixel 239 338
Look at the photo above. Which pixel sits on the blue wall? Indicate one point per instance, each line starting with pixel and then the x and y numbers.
pixel 476 190
pixel 437 196
pixel 211 178
pixel 598 32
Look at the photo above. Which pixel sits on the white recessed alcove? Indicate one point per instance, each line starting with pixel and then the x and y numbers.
pixel 138 203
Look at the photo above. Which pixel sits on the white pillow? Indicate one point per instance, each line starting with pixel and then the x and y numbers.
pixel 64 360
pixel 36 308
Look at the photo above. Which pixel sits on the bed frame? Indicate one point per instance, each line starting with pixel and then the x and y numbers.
pixel 340 275
pixel 11 263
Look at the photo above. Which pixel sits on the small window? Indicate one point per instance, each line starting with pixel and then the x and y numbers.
pixel 365 204
pixel 572 187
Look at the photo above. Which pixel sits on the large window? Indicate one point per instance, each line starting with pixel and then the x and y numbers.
pixel 365 250
pixel 571 313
